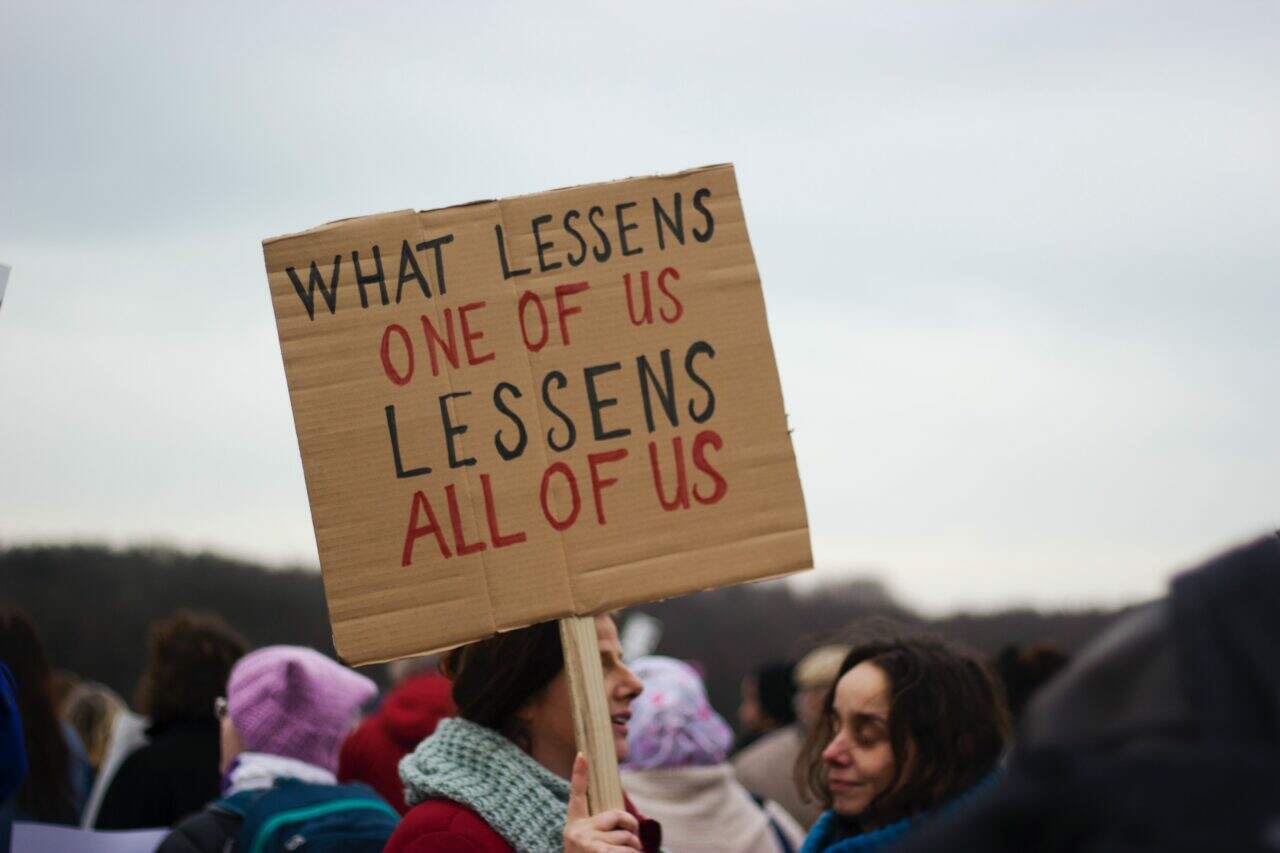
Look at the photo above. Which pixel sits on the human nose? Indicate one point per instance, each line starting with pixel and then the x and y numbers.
pixel 630 686
pixel 837 751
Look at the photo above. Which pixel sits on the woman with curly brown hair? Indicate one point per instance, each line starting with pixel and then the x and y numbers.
pixel 909 727
pixel 189 656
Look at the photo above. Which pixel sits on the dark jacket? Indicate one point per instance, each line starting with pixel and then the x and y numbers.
pixel 443 826
pixel 410 712
pixel 1163 735
pixel 175 774
pixel 13 754
pixel 206 831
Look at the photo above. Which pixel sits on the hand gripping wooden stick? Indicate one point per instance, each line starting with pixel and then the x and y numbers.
pixel 592 725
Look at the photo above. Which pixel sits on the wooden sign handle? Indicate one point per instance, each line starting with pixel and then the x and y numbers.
pixel 591 723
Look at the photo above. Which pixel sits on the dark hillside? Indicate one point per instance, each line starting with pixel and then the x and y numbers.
pixel 93 604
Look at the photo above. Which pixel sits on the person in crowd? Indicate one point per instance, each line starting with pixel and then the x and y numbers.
pixel 768 702
pixel 128 733
pixel 58 774
pixel 1024 670
pixel 910 727
pixel 1162 734
pixel 91 709
pixel 13 754
pixel 286 712
pixel 676 770
pixel 764 767
pixel 502 775
pixel 189 656
pixel 62 682
pixel 409 712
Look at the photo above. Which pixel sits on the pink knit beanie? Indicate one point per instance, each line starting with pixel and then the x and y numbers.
pixel 295 702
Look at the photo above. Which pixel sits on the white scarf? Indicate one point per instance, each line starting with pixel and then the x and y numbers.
pixel 257 771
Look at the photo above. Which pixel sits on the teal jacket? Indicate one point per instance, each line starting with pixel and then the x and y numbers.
pixel 822 838
pixel 825 835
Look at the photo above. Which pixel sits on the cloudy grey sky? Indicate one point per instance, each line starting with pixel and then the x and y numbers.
pixel 1020 258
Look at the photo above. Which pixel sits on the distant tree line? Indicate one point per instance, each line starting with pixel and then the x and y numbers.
pixel 93 605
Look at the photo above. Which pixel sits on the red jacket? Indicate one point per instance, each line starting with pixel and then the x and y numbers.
pixel 443 826
pixel 372 753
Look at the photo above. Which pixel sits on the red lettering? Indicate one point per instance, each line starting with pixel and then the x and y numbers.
pixel 647 315
pixel 455 517
pixel 700 441
pixel 469 337
pixel 563 290
pixel 415 532
pixel 491 511
pixel 387 367
pixel 681 500
pixel 433 338
pixel 662 285
pixel 567 472
pixel 525 298
pixel 595 460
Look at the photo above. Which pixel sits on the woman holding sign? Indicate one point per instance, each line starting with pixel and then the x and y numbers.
pixel 909 728
pixel 505 774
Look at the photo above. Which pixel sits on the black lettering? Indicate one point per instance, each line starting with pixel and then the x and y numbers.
pixel 676 227
pixel 363 281
pixel 598 404
pixel 561 382
pixel 600 255
pixel 450 430
pixel 505 452
pixel 666 397
pixel 696 349
pixel 542 247
pixel 704 235
pixel 507 272
pixel 434 246
pixel 582 256
pixel 624 227
pixel 401 473
pixel 409 261
pixel 308 296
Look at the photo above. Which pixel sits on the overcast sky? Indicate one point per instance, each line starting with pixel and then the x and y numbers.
pixel 1020 259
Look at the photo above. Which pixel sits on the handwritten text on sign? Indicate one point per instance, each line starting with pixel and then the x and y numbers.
pixel 538 391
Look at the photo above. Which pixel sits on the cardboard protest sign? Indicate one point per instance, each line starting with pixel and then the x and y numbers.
pixel 513 411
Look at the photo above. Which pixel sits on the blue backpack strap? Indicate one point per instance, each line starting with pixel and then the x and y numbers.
pixel 291 805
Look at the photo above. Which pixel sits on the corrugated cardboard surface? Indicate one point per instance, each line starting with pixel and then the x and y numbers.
pixel 381 609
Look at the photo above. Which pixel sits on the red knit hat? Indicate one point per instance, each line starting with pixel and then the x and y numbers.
pixel 409 713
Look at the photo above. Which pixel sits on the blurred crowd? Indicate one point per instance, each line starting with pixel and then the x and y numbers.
pixel 1164 734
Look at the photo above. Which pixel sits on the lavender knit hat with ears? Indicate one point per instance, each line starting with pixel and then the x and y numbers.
pixel 295 702
pixel 672 724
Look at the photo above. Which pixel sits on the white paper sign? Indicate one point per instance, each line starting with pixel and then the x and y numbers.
pixel 46 838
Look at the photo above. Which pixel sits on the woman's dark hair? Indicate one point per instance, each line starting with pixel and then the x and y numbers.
pixel 777 691
pixel 189 656
pixel 46 795
pixel 947 726
pixel 1023 671
pixel 494 678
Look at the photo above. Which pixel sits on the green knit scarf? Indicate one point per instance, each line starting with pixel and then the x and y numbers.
pixel 475 766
